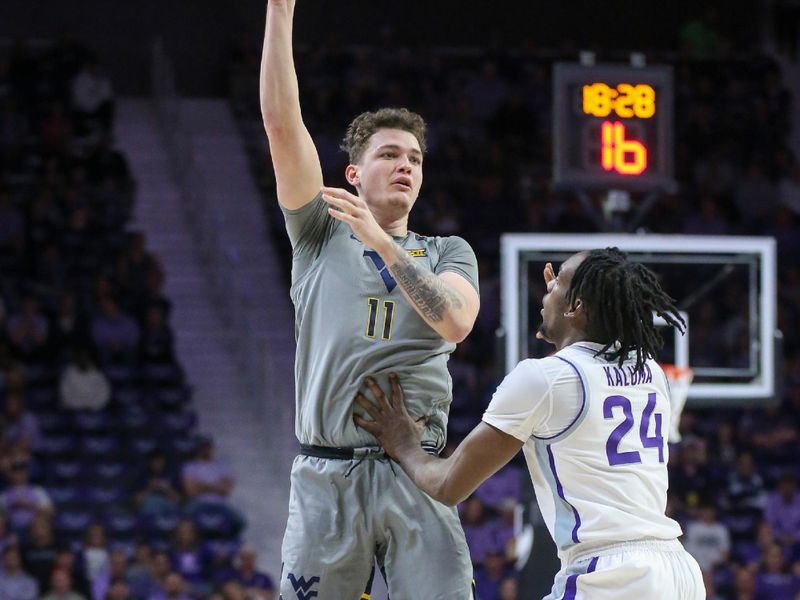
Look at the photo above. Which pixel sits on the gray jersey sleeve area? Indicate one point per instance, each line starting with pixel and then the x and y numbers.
pixel 309 228
pixel 457 256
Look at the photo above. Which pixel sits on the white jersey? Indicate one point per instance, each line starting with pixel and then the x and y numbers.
pixel 595 439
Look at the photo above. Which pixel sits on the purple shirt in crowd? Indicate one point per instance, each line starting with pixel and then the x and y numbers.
pixel 783 517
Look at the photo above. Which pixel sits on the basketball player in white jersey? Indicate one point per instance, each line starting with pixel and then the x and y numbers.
pixel 592 421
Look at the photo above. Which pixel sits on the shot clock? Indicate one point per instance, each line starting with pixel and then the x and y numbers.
pixel 612 127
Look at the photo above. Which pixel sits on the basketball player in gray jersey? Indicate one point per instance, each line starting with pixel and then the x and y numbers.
pixel 370 297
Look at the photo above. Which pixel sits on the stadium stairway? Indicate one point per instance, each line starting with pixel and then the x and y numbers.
pixel 252 427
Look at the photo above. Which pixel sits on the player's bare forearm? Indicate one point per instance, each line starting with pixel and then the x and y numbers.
pixel 298 174
pixel 443 307
pixel 430 474
pixel 278 89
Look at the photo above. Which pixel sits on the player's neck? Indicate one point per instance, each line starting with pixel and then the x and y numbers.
pixel 572 338
pixel 397 228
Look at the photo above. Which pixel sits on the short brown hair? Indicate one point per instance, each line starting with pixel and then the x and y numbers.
pixel 366 124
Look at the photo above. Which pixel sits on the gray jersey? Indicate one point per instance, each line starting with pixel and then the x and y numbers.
pixel 352 320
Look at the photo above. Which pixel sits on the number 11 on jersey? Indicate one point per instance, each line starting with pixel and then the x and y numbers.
pixel 372 320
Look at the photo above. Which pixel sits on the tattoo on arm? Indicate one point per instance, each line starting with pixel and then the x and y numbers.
pixel 429 293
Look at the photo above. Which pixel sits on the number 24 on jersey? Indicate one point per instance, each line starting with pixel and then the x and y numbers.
pixel 614 454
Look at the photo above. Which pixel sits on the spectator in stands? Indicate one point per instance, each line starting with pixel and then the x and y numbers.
pixel 233 590
pixel 61 587
pixel 750 552
pixel 783 510
pixel 21 433
pixel 95 555
pixel 82 386
pixel 140 575
pixel 206 480
pixel 490 574
pixel 28 330
pixel 157 346
pixel 509 589
pixel 7 537
pixel 253 582
pixel 39 551
pixel 79 238
pixel 92 99
pixel 22 501
pixel 773 436
pixel 190 559
pixel 744 584
pixel 16 584
pixel 70 329
pixel 744 497
pixel 174 589
pixel 707 539
pixel 134 264
pixel 115 333
pixel 104 163
pixel 504 485
pixel 67 561
pixel 119 590
pixel 478 529
pixel 691 479
pixel 774 580
pixel 117 570
pixel 505 536
pixel 156 491
pixel 160 568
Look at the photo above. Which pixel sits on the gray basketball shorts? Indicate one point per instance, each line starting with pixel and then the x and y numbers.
pixel 344 514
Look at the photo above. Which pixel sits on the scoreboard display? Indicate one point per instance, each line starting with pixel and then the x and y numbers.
pixel 612 127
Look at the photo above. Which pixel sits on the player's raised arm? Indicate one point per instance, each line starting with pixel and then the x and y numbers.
pixel 297 169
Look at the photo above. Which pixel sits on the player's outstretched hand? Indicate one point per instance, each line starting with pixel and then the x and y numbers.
pixel 353 210
pixel 391 424
pixel 549 275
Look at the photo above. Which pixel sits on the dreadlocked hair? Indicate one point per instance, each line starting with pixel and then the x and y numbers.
pixel 620 297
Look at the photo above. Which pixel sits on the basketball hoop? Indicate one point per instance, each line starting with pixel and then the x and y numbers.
pixel 680 378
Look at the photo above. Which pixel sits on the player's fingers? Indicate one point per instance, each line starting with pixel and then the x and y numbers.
pixel 421 423
pixel 368 425
pixel 341 194
pixel 334 201
pixel 549 273
pixel 378 393
pixel 341 216
pixel 368 406
pixel 398 401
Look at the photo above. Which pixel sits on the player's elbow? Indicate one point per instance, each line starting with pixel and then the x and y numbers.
pixel 272 121
pixel 457 332
pixel 449 493
pixel 450 497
